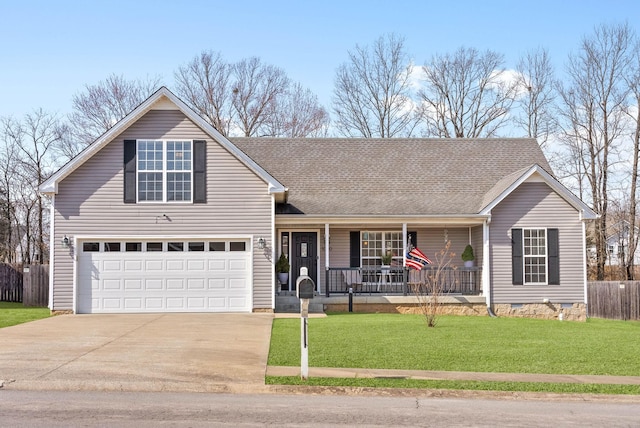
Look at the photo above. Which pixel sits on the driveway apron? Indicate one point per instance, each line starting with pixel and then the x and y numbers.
pixel 139 352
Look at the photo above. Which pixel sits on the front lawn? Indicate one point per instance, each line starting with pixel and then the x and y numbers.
pixel 480 344
pixel 16 313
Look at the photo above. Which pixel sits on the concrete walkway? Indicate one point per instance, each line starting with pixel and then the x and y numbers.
pixel 446 375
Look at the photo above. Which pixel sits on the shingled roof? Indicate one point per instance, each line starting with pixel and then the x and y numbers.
pixel 391 176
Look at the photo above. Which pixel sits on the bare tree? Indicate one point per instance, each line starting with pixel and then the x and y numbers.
pixel 249 98
pixel 536 95
pixel 256 89
pixel 592 108
pixel 8 184
pixel 372 96
pixel 466 94
pixel 102 105
pixel 205 84
pixel 36 137
pixel 298 114
pixel 633 82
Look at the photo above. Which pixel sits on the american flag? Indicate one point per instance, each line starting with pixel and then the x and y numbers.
pixel 416 259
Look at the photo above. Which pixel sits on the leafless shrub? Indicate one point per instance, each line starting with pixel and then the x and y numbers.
pixel 428 284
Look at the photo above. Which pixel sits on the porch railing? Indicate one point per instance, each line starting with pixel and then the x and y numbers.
pixel 398 280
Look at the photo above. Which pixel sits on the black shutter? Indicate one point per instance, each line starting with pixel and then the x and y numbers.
pixel 354 240
pixel 129 171
pixel 199 171
pixel 516 256
pixel 553 251
pixel 414 238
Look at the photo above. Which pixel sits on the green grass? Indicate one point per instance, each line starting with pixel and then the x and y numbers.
pixel 16 313
pixel 560 388
pixel 479 344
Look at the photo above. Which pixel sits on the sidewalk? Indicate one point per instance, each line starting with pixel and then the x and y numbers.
pixel 445 375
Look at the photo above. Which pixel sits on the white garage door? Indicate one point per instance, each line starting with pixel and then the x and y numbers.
pixel 168 276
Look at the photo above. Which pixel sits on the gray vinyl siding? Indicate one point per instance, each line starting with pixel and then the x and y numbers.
pixel 90 202
pixel 535 205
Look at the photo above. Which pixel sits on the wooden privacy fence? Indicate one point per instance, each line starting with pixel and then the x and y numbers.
pixel 618 300
pixel 35 279
pixel 28 284
pixel 10 283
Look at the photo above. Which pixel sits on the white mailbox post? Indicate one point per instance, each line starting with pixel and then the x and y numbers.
pixel 304 288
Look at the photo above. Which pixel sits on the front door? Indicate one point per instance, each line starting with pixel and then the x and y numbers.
pixel 304 254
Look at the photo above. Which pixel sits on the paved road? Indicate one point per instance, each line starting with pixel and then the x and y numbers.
pixel 140 410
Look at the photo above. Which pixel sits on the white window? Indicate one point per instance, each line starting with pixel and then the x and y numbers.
pixel 535 256
pixel 375 244
pixel 164 171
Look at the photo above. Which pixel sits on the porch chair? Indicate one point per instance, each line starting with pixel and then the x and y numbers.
pixel 353 279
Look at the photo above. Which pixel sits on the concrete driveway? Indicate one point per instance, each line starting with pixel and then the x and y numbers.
pixel 140 352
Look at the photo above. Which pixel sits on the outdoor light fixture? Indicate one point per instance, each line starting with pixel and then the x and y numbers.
pixel 261 243
pixel 65 241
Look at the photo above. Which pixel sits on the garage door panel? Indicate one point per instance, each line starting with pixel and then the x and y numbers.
pixel 163 281
pixel 154 266
pixel 217 283
pixel 217 265
pixel 133 284
pixel 108 284
pixel 175 303
pixel 175 265
pixel 111 303
pixel 237 265
pixel 196 265
pixel 175 284
pixel 153 284
pixel 133 303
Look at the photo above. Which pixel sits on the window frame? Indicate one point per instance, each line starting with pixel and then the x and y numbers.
pixel 526 256
pixel 165 171
pixel 386 237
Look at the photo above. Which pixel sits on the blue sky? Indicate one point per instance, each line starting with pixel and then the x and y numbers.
pixel 51 49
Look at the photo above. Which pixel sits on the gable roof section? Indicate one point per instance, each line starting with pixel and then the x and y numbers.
pixel 508 184
pixel 387 177
pixel 161 96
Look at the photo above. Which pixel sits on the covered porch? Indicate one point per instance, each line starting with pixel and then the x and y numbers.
pixel 345 255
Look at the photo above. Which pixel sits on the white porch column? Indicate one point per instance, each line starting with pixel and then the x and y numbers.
pixel 404 244
pixel 486 262
pixel 326 253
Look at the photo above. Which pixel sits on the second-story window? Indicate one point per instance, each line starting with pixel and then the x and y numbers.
pixel 164 171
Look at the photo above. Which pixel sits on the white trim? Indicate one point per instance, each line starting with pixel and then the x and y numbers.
pixel 585 213
pixel 486 259
pixel 274 251
pixel 404 245
pixel 327 261
pixel 51 184
pixel 585 262
pixel 546 257
pixel 74 257
pixel 52 250
pixel 164 172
